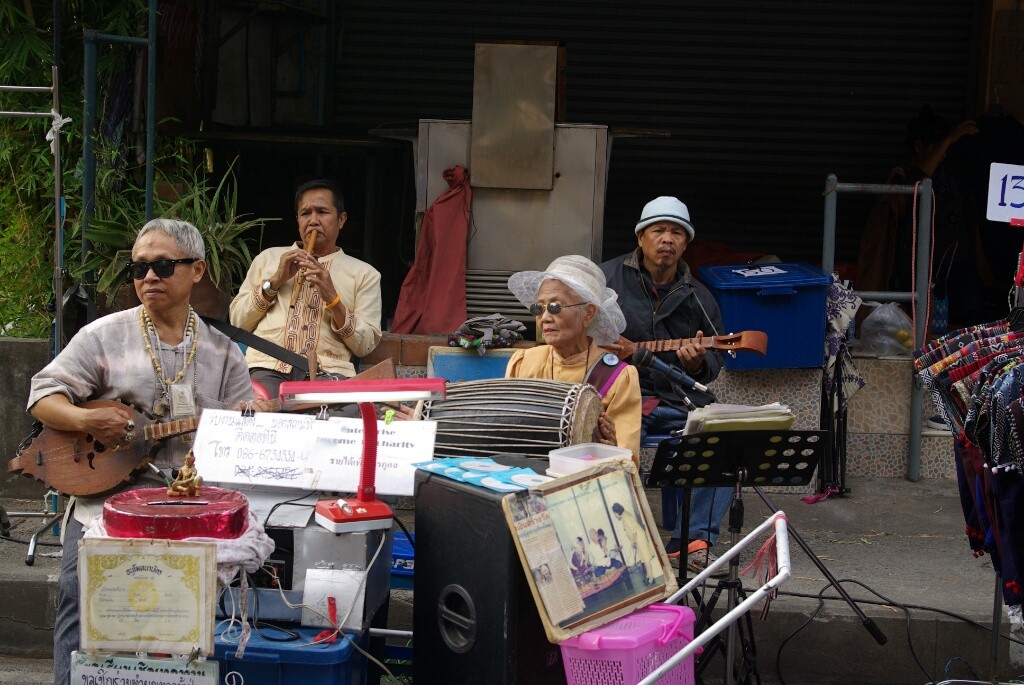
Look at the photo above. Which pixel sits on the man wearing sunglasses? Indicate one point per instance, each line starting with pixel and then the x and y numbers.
pixel 160 358
pixel 321 300
pixel 662 300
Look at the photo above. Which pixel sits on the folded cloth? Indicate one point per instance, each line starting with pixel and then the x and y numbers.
pixel 483 332
pixel 247 552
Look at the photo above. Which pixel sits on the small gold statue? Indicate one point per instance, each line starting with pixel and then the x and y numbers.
pixel 188 482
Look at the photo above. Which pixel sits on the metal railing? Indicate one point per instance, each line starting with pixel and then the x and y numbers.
pixel 57 121
pixel 922 277
pixel 91 40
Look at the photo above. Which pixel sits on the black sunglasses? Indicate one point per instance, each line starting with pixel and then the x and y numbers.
pixel 163 268
pixel 554 308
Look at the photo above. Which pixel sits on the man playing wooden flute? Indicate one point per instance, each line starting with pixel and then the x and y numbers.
pixel 319 299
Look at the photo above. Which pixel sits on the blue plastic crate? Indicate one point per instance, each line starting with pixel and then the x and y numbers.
pixel 296 662
pixel 402 561
pixel 788 306
pixel 455 364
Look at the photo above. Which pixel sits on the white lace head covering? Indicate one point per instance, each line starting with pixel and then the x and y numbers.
pixel 585 279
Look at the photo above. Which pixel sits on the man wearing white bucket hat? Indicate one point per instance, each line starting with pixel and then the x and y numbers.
pixel 577 313
pixel 661 300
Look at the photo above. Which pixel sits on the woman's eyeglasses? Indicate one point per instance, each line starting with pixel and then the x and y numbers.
pixel 554 308
pixel 163 268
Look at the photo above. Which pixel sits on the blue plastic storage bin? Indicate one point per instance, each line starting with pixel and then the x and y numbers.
pixel 402 561
pixel 297 662
pixel 788 306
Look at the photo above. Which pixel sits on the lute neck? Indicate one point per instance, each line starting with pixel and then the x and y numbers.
pixel 169 429
pixel 674 344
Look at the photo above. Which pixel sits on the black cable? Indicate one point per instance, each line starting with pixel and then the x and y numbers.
pixel 408 535
pixel 885 601
pixel 26 542
pixel 778 654
pixel 946 671
pixel 289 635
pixel 920 607
pixel 296 502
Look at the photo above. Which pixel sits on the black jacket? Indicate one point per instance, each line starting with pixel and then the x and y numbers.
pixel 689 307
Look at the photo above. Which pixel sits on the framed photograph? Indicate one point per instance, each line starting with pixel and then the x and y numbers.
pixel 590 548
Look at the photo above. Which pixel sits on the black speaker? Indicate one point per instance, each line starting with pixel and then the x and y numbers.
pixel 474 619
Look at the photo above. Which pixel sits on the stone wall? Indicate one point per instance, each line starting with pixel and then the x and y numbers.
pixel 20 358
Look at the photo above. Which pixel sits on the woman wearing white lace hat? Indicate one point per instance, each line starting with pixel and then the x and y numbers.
pixel 576 313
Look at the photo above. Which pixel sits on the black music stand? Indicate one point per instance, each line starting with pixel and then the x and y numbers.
pixel 734 459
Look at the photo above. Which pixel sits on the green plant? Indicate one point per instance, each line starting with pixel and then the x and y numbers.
pixel 213 209
pixel 27 256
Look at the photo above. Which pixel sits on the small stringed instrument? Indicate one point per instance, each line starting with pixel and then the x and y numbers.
pixel 744 341
pixel 78 464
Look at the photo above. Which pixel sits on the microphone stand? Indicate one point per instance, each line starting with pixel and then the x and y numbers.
pixel 866 621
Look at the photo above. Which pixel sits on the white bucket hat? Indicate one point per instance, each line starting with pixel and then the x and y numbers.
pixel 587 280
pixel 665 208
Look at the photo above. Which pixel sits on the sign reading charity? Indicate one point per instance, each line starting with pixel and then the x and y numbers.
pixel 308 453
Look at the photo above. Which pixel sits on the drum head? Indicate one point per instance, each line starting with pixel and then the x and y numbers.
pixel 586 409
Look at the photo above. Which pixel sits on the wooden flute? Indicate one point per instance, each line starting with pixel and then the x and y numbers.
pixel 297 288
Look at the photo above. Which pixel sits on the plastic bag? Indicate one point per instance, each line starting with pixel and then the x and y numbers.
pixel 887 330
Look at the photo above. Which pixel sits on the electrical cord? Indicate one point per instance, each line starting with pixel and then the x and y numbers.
pixel 408 535
pixel 26 542
pixel 946 671
pixel 821 603
pixel 296 502
pixel 885 601
pixel 919 607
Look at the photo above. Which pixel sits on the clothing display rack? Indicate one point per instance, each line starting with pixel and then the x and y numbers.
pixel 976 377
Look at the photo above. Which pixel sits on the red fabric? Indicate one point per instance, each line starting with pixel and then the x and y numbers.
pixel 433 296
pixel 259 391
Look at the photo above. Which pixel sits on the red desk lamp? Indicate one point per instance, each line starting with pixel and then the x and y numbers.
pixel 364 511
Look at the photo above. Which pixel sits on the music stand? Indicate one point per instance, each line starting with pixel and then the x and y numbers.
pixel 733 459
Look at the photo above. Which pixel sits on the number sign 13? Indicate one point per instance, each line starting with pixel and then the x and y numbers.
pixel 1005 193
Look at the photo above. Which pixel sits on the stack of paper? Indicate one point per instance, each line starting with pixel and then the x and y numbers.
pixel 737 417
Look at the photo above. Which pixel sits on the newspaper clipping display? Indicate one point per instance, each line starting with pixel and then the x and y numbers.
pixel 589 547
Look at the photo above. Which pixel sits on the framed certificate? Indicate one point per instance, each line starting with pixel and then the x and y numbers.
pixel 147 595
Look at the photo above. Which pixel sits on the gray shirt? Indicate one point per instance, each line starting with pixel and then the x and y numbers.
pixel 108 360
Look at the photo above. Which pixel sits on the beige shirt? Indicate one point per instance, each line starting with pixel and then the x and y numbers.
pixel 622 401
pixel 107 360
pixel 308 325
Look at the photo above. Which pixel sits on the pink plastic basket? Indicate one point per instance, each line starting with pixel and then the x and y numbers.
pixel 628 649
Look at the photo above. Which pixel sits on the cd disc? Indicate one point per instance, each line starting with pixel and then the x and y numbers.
pixel 495 484
pixel 481 465
pixel 528 479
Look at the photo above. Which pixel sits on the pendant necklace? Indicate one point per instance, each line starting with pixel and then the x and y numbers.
pixel 175 398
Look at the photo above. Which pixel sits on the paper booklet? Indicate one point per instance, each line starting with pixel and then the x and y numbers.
pixel 735 417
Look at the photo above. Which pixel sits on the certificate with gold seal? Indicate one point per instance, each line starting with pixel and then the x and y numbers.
pixel 146 595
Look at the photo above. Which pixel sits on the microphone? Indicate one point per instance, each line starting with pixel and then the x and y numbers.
pixel 644 358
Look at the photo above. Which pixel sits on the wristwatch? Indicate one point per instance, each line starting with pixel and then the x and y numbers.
pixel 268 290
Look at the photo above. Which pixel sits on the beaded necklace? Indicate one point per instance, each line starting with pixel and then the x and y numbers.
pixel 148 328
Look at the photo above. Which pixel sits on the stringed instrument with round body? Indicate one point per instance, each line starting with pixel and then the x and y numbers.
pixel 74 463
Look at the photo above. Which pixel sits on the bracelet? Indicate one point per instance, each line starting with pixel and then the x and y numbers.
pixel 333 303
